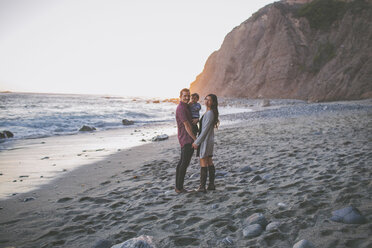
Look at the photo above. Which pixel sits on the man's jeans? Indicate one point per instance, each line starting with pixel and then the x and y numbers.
pixel 186 154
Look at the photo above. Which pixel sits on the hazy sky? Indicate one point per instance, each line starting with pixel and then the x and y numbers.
pixel 127 47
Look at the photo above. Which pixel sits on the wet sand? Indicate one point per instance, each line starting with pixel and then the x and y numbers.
pixel 301 168
pixel 27 164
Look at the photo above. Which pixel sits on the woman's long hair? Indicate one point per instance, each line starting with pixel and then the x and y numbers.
pixel 214 108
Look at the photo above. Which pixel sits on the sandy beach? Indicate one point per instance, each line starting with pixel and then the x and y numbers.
pixel 295 165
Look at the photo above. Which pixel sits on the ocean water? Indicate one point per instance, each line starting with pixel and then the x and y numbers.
pixel 44 115
pixel 29 115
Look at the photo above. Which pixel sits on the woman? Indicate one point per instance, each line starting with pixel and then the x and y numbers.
pixel 205 142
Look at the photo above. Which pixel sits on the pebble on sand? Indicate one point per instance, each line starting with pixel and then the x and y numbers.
pixel 266 177
pixel 273 226
pixel 227 241
pixel 142 241
pixel 348 215
pixel 303 244
pixel 252 231
pixel 255 179
pixel 281 205
pixel 29 199
pixel 246 169
pixel 215 206
pixel 220 174
pixel 257 218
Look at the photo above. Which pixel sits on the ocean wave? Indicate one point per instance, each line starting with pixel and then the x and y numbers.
pixel 43 115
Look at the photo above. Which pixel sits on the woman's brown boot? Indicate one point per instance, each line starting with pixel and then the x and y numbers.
pixel 212 173
pixel 203 179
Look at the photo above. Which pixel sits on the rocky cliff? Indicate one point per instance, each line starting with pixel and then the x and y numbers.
pixel 317 50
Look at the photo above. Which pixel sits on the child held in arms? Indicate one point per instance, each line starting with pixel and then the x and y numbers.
pixel 195 109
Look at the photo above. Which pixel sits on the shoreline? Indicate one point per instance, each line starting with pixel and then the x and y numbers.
pixel 34 162
pixel 313 164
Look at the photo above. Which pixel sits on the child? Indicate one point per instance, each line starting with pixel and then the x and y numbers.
pixel 194 109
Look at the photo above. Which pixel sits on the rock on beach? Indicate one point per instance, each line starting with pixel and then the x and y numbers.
pixel 272 226
pixel 246 169
pixel 142 241
pixel 127 122
pixel 160 137
pixel 227 241
pixel 303 244
pixel 27 199
pixel 252 231
pixel 6 134
pixel 257 218
pixel 348 215
pixel 103 244
pixel 256 178
pixel 256 225
pixel 265 103
pixel 86 129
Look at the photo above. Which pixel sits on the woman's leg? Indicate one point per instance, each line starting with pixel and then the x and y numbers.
pixel 203 174
pixel 204 162
pixel 212 173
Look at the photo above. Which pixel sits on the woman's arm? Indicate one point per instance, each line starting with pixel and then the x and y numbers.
pixel 207 125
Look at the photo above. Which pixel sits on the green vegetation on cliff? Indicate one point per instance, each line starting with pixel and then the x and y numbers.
pixel 322 13
pixel 325 53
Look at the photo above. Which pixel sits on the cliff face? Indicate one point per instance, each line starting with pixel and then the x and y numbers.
pixel 284 51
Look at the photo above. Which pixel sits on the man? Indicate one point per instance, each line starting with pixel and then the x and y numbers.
pixel 185 137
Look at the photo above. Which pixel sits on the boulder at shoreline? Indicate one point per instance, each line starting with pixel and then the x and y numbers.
pixel 127 122
pixel 6 134
pixel 86 129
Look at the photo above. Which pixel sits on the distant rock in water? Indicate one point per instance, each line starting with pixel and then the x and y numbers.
pixel 172 100
pixel 87 129
pixel 312 50
pixel 6 134
pixel 127 122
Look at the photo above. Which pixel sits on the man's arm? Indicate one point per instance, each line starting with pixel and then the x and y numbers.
pixel 189 129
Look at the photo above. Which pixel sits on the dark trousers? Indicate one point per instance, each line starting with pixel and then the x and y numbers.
pixel 186 154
